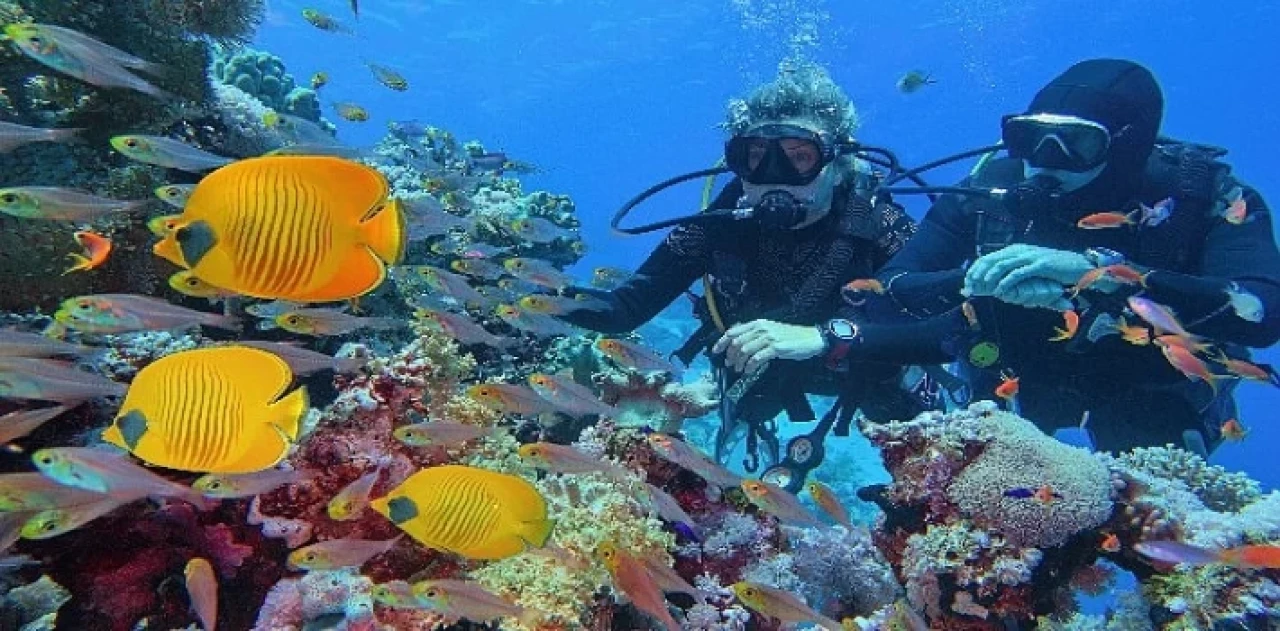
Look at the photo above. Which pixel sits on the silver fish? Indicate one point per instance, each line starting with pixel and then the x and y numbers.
pixel 13 135
pixel 61 204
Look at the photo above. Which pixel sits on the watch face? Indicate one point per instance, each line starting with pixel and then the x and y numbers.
pixel 842 328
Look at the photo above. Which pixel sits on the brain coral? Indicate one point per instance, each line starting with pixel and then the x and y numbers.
pixel 1021 456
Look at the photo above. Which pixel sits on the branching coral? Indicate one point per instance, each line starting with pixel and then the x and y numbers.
pixel 1219 489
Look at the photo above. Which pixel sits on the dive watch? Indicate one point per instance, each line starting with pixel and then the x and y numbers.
pixel 840 335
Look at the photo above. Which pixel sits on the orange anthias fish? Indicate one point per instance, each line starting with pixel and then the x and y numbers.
pixel 1008 388
pixel 567 459
pixel 299 228
pixel 96 250
pixel 1175 552
pixel 785 606
pixel 864 284
pixel 1188 364
pixel 1108 220
pixel 1110 543
pixel 632 578
pixel 778 502
pixel 1072 324
pixel 510 398
pixel 826 499
pixel 1134 334
pixel 1244 369
pixel 569 396
pixel 351 501
pixel 221 409
pixel 1233 431
pixel 634 356
pixel 687 456
pixel 202 587
pixel 1237 212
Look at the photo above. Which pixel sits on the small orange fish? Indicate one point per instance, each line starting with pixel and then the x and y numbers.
pixel 1090 277
pixel 1237 212
pixel 1188 364
pixel 632 579
pixel 1189 344
pixel 865 284
pixel 1108 220
pixel 1134 334
pixel 1242 368
pixel 1046 495
pixel 1110 543
pixel 96 250
pixel 1125 274
pixel 1008 388
pixel 827 500
pixel 1174 552
pixel 1233 431
pixel 1072 323
pixel 202 587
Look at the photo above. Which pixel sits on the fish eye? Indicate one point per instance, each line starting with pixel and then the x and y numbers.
pixel 431 593
pixel 191 282
pixel 9 198
pixel 214 485
pixel 49 526
pixel 130 142
pixel 292 319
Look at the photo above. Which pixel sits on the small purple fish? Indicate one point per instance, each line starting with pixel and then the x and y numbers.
pixel 635 356
pixel 1153 216
pixel 1157 315
pixel 13 135
pixel 569 396
pixel 128 313
pixel 510 398
pixel 19 423
pixel 49 380
pixel 478 268
pixel 539 230
pixel 670 510
pixel 426 217
pixel 1177 552
pixel 338 553
pixel 538 272
pixel 450 284
pixel 232 485
pixel 441 434
pixel 566 459
pixel 305 362
pixel 538 324
pixel 462 329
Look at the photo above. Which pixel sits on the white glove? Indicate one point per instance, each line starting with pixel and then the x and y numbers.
pixel 751 345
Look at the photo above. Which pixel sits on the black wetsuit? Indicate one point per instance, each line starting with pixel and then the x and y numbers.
pixel 791 276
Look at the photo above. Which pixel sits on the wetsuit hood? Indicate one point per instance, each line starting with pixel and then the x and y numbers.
pixel 1125 98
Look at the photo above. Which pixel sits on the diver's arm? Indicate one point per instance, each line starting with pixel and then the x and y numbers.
pixel 1245 254
pixel 925 277
pixel 679 260
pixel 926 341
pixel 897 228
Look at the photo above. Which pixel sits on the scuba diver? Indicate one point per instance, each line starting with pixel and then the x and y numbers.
pixel 774 250
pixel 1088 183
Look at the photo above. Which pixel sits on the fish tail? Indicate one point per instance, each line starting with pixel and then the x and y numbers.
pixel 386 233
pixel 536 532
pixel 70 134
pixel 82 264
pixel 290 411
pixel 1060 335
pixel 229 323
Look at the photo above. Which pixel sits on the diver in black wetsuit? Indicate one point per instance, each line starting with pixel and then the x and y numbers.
pixel 773 278
pixel 1089 144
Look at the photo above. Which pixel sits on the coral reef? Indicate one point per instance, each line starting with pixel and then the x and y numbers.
pixel 262 76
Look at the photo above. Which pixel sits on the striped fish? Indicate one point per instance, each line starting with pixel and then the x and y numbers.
pixel 212 410
pixel 299 228
pixel 476 513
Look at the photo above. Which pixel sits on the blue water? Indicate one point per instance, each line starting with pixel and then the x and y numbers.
pixel 610 96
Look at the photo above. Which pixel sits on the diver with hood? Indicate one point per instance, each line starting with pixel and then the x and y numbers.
pixel 1089 183
pixel 774 248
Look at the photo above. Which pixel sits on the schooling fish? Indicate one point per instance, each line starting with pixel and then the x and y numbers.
pixel 635 356
pixel 343 230
pixel 168 153
pixel 108 471
pixel 339 553
pixel 688 456
pixel 538 272
pixel 175 194
pixel 441 434
pixel 470 601
pixel 96 250
pixel 472 512
pixel 127 313
pixel 633 579
pixel 220 409
pixel 561 305
pixel 33 492
pixel 19 344
pixel 1104 220
pixel 77 55
pixel 778 502
pixel 609 277
pixel 426 219
pixel 539 230
pixel 388 77
pixel 351 501
pixel 775 603
pixel 569 396
pixel 1157 315
pixel 461 328
pixel 237 485
pixel 510 399
pixel 321 322
pixel 1252 556
pixel 35 379
pixel 827 500
pixel 1245 304
pixel 914 80
pixel 398 594
pixel 323 21
pixel 186 283
pixel 450 284
pixel 202 588
pixel 163 225
pixel 305 362
pixel 13 135
pixel 61 204
pixel 351 111
pixel 19 423
pixel 669 509
pixel 58 521
pixel 536 324
pixel 477 268
pixel 566 459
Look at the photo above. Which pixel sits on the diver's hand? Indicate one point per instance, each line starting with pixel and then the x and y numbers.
pixel 1035 293
pixel 1000 271
pixel 752 344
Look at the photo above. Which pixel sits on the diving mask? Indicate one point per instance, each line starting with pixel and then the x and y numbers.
pixel 1053 141
pixel 779 154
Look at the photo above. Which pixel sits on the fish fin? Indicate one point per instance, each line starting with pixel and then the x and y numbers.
pixel 385 232
pixel 82 264
pixel 167 249
pixel 400 510
pixel 194 241
pixel 290 411
pixel 130 428
pixel 536 532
